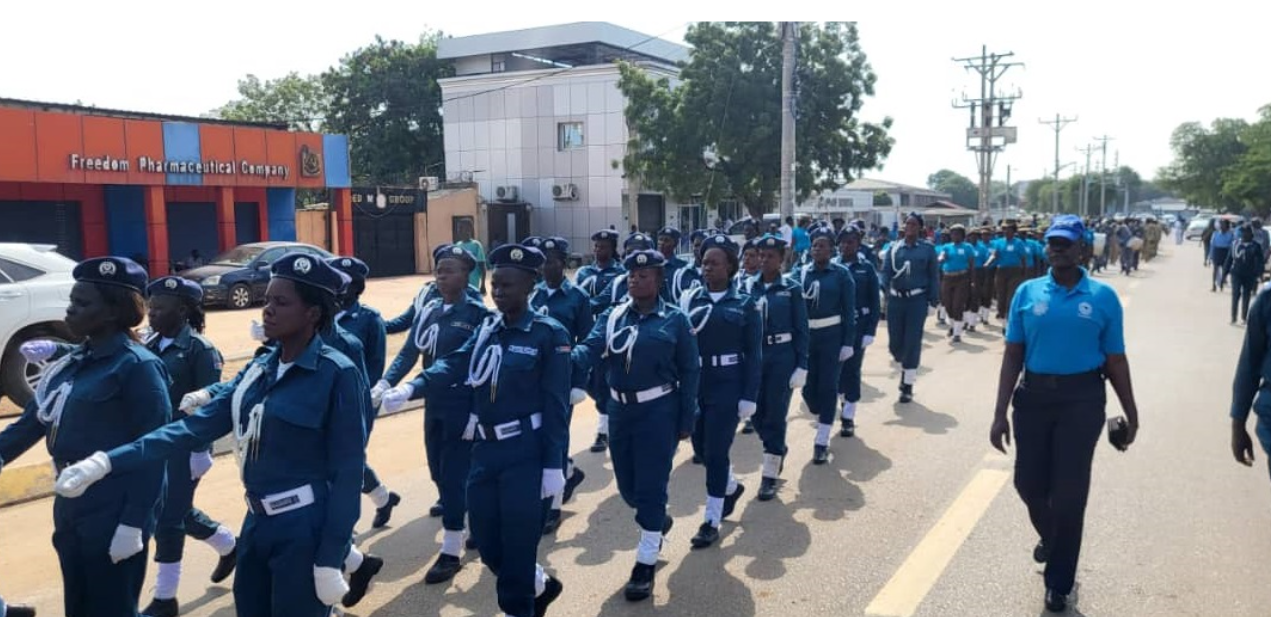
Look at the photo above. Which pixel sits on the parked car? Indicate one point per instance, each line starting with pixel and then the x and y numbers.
pixel 738 231
pixel 1196 228
pixel 237 278
pixel 35 289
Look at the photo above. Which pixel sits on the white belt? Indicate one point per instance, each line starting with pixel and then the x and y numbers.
pixel 778 339
pixel 286 501
pixel 730 359
pixel 907 294
pixel 643 396
pixel 864 311
pixel 825 322
pixel 508 430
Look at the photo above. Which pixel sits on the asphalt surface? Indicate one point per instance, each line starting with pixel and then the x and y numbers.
pixel 915 516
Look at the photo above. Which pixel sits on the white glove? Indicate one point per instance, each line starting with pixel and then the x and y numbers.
pixel 745 409
pixel 470 431
pixel 798 378
pixel 193 400
pixel 846 352
pixel 76 479
pixel 329 585
pixel 200 463
pixel 37 351
pixel 377 392
pixel 576 396
pixel 257 332
pixel 395 398
pixel 553 483
pixel 125 544
pixel 867 340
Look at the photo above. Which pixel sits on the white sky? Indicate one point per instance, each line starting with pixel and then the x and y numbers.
pixel 1133 76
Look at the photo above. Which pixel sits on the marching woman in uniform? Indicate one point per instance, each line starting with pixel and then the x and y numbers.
pixel 680 275
pixel 649 354
pixel 106 392
pixel 193 363
pixel 909 274
pixel 744 280
pixel 957 268
pixel 559 299
pixel 1065 335
pixel 830 293
pixel 614 294
pixel 593 279
pixel 297 413
pixel 444 325
pixel 866 278
pixel 518 366
pixel 729 333
pixel 779 299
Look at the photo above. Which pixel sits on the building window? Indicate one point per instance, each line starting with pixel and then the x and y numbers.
pixel 498 63
pixel 569 135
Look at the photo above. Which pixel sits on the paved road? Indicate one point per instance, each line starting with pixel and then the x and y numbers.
pixel 915 517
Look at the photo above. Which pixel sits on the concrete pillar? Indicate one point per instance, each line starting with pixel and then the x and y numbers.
pixel 156 230
pixel 226 225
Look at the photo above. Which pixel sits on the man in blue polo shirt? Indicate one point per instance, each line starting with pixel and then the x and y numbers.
pixel 1064 333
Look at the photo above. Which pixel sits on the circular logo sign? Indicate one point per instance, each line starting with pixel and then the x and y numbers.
pixel 516 255
pixel 1040 308
pixel 302 265
pixel 642 259
pixel 1085 309
pixel 107 268
pixel 347 263
pixel 170 284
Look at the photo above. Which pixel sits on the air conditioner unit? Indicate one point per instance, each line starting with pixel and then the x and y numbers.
pixel 429 183
pixel 565 192
pixel 506 193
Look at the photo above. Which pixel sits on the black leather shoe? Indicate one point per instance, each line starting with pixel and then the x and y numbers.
pixel 906 393
pixel 707 535
pixel 1056 602
pixel 768 489
pixel 730 501
pixel 571 485
pixel 849 428
pixel 156 608
pixel 383 514
pixel 360 580
pixel 437 510
pixel 640 585
pixel 442 570
pixel 225 565
pixel 1041 553
pixel 820 455
pixel 551 522
pixel 20 610
pixel 747 427
pixel 551 591
pixel 957 338
pixel 602 443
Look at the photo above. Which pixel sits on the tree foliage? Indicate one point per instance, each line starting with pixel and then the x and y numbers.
pixel 960 188
pixel 295 100
pixel 1226 165
pixel 1040 194
pixel 727 99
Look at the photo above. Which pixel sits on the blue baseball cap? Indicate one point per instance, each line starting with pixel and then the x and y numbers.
pixel 1067 226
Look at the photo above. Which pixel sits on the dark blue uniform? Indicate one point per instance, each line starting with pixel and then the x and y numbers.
pixel 111 393
pixel 681 276
pixel 403 322
pixel 830 293
pixel 1251 388
pixel 595 281
pixel 519 373
pixel 571 307
pixel 367 325
pixel 867 301
pixel 910 273
pixel 785 337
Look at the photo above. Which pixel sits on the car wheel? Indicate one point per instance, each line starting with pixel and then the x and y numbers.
pixel 20 377
pixel 240 296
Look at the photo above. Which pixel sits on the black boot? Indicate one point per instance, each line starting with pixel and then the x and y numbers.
pixel 849 428
pixel 730 501
pixel 383 514
pixel 442 570
pixel 437 510
pixel 906 393
pixel 20 610
pixel 747 427
pixel 571 485
pixel 156 608
pixel 551 591
pixel 707 535
pixel 360 580
pixel 1041 553
pixel 602 443
pixel 225 565
pixel 768 489
pixel 1056 602
pixel 640 585
pixel 820 455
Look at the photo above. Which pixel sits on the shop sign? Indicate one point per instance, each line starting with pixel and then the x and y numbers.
pixel 208 167
pixel 381 198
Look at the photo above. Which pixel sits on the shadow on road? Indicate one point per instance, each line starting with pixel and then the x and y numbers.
pixel 406 550
pixel 599 473
pixel 210 595
pixel 603 536
pixel 769 534
pixel 478 598
pixel 917 415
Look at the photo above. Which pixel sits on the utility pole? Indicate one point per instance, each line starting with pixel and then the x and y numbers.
pixel 985 137
pixel 1058 125
pixel 1103 177
pixel 1085 182
pixel 789 32
pixel 1007 206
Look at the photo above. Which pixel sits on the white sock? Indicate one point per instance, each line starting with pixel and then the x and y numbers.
pixel 942 314
pixel 957 328
pixel 714 510
pixel 602 427
pixel 451 542
pixel 557 500
pixel 353 561
pixel 732 482
pixel 649 547
pixel 569 469
pixel 540 580
pixel 971 318
pixel 222 541
pixel 167 581
pixel 909 376
pixel 823 434
pixel 379 496
pixel 849 410
pixel 772 465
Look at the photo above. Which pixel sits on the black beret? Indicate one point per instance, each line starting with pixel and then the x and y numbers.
pixel 517 256
pixel 722 242
pixel 117 271
pixel 310 270
pixel 352 266
pixel 644 259
pixel 453 251
pixel 175 286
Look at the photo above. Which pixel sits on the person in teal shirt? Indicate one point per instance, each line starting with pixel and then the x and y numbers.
pixel 476 279
pixel 957 267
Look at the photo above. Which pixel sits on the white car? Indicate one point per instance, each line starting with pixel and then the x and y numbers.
pixel 1196 228
pixel 35 289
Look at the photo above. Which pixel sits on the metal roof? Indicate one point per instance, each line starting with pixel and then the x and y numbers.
pixel 131 115
pixel 564 42
pixel 867 184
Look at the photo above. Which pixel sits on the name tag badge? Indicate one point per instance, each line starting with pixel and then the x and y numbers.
pixel 783 294
pixel 523 350
pixel 462 326
pixel 1010 248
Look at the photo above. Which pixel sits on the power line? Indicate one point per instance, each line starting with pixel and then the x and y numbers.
pixel 1058 125
pixel 1103 176
pixel 984 111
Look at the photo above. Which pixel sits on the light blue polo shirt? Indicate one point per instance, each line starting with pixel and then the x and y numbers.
pixel 957 257
pixel 1010 253
pixel 1066 332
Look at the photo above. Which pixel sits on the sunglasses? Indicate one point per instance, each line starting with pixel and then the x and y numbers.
pixel 1061 244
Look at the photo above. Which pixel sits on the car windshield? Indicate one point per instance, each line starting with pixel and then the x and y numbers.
pixel 238 256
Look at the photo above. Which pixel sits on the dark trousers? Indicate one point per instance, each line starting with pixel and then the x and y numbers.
pixel 955 294
pixel 506 509
pixel 774 397
pixel 178 517
pixel 92 586
pixel 1242 291
pixel 449 461
pixel 276 554
pixel 1220 267
pixel 598 388
pixel 718 419
pixel 850 374
pixel 904 329
pixel 984 287
pixel 1056 430
pixel 1005 281
pixel 642 438
pixel 820 393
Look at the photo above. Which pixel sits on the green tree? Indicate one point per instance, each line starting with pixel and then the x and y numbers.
pixel 1248 180
pixel 295 100
pixel 727 99
pixel 881 198
pixel 961 189
pixel 385 97
pixel 1202 159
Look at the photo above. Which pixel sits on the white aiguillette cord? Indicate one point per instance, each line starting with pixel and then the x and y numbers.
pixel 50 404
pixel 813 291
pixel 686 303
pixel 246 439
pixel 426 338
pixel 484 365
pixel 589 285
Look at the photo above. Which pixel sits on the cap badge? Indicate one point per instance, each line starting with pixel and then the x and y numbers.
pixel 170 284
pixel 516 254
pixel 107 268
pixel 347 263
pixel 302 265
pixel 642 259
